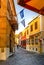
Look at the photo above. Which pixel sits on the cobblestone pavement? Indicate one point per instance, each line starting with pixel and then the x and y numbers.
pixel 22 57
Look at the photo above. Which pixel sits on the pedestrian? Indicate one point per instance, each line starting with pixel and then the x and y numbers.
pixel 17 46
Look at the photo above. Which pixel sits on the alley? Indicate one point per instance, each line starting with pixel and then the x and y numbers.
pixel 23 57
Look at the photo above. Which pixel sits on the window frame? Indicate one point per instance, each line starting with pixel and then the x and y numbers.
pixel 31 27
pixel 36 40
pixel 32 40
pixel 36 25
pixel 29 40
pixel 27 31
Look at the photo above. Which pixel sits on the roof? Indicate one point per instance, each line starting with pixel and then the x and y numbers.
pixel 34 5
pixel 33 19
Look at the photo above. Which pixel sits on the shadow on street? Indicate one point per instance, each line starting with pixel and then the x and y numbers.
pixel 23 57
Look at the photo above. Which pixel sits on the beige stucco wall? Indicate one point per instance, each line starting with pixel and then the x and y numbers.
pixel 41 23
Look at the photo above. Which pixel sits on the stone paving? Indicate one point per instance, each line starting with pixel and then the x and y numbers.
pixel 23 57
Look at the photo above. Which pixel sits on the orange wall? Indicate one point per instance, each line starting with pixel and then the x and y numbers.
pixel 3 9
pixel 4 24
pixel 12 7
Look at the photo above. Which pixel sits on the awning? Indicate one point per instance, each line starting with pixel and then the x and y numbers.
pixel 34 5
pixel 23 38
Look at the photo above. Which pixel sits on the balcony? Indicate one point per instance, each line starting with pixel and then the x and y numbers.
pixel 11 17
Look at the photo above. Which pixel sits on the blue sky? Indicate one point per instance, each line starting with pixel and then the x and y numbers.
pixel 28 16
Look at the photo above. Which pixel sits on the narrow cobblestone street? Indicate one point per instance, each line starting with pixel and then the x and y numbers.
pixel 22 57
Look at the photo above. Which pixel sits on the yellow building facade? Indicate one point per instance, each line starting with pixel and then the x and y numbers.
pixel 16 39
pixel 27 38
pixel 36 35
pixel 7 29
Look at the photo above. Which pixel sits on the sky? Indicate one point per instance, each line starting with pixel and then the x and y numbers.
pixel 28 16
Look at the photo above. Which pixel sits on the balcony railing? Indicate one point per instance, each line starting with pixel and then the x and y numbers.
pixel 12 18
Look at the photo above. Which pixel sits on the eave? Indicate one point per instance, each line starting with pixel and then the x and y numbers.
pixel 34 5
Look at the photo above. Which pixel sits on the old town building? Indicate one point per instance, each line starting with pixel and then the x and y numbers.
pixel 33 35
pixel 8 25
pixel 36 36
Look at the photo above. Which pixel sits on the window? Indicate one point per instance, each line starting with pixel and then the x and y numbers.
pixel 35 25
pixel 36 49
pixel 32 40
pixel 36 39
pixel 23 41
pixel 27 31
pixel 31 27
pixel 2 50
pixel 0 3
pixel 29 40
pixel 33 48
